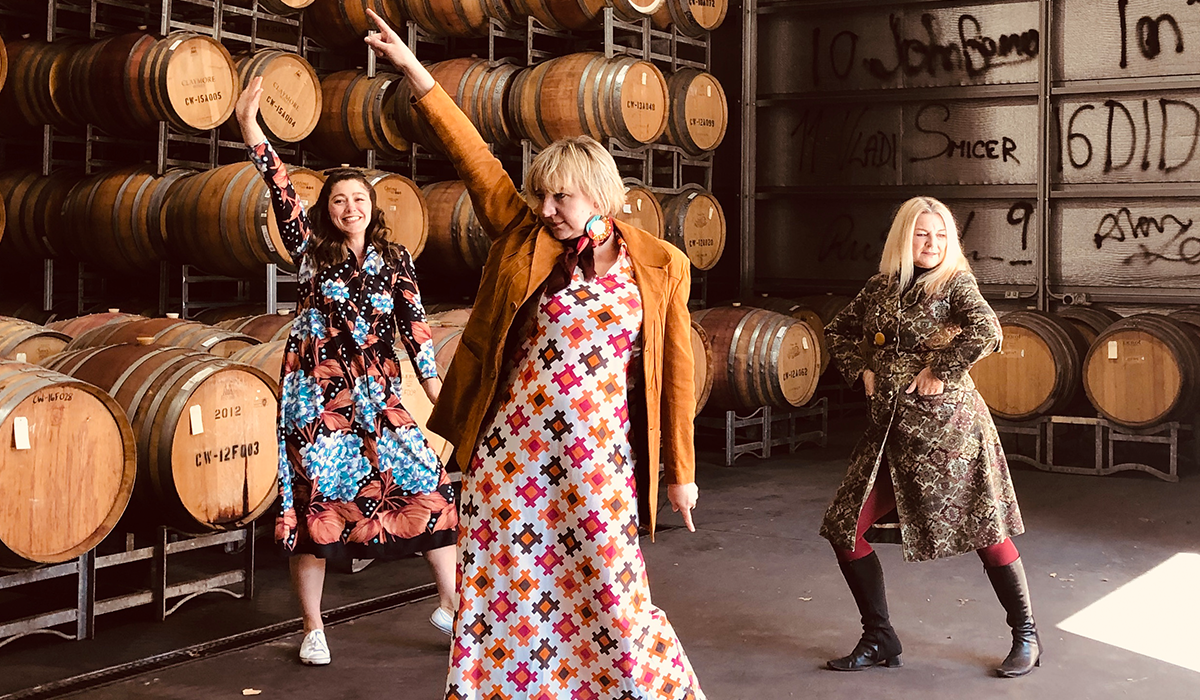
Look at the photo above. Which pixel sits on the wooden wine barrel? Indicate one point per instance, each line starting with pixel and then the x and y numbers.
pixel 457 245
pixel 217 314
pixel 1089 320
pixel 703 373
pixel 487 93
pixel 27 311
pixel 759 358
pixel 450 318
pixel 36 91
pixel 189 80
pixel 587 94
pixel 267 356
pixel 793 308
pixel 221 221
pixel 691 17
pixel 461 18
pixel 23 341
pixel 3 63
pixel 33 205
pixel 358 113
pixel 291 100
pixel 445 343
pixel 1189 315
pixel 284 7
pixel 110 84
pixel 205 429
pixel 583 14
pixel 827 306
pixel 171 332
pixel 264 327
pixel 307 183
pixel 75 327
pixel 66 491
pixel 338 23
pixel 642 209
pixel 695 223
pixel 1144 370
pixel 404 209
pixel 112 219
pixel 1037 371
pixel 454 76
pixel 699 113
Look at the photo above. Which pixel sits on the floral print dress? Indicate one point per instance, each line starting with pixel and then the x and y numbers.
pixel 356 476
pixel 554 600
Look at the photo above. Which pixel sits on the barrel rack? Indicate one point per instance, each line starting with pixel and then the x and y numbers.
pixel 767 427
pixel 1105 437
pixel 160 592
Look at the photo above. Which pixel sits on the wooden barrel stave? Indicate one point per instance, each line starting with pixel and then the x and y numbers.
pixel 1144 370
pixel 267 356
pixel 1037 371
pixel 587 94
pixel 338 23
pixel 759 358
pixel 23 341
pixel 691 18
pixel 220 477
pixel 264 327
pixel 74 327
pixel 457 243
pixel 695 223
pixel 703 373
pixel 699 113
pixel 1089 320
pixel 642 209
pixel 66 492
pixel 165 332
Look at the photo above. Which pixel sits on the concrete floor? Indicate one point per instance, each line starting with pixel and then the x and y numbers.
pixel 756 597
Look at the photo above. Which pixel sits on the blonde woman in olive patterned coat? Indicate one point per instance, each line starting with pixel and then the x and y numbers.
pixel 931 451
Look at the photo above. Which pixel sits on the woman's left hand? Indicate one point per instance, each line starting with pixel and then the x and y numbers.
pixel 926 384
pixel 683 499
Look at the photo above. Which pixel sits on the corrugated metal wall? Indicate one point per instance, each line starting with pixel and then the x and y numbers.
pixel 1075 178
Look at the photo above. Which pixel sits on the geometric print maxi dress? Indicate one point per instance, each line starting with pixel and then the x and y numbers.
pixel 356 476
pixel 554 600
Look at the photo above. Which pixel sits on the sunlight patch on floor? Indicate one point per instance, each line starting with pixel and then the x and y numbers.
pixel 1156 615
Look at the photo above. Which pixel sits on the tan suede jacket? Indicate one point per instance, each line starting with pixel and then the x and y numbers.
pixel 522 255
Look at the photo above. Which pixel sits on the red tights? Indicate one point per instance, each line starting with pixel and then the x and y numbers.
pixel 882 500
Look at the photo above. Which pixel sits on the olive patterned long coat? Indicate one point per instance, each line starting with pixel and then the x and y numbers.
pixel 953 491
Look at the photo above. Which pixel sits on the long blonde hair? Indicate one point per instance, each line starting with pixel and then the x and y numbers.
pixel 897 251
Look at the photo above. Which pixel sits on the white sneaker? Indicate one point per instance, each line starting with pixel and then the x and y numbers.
pixel 314 651
pixel 443 619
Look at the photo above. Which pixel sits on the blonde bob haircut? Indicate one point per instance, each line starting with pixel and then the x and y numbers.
pixel 578 162
pixel 897 257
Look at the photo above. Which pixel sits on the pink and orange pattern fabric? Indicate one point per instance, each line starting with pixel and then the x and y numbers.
pixel 554 599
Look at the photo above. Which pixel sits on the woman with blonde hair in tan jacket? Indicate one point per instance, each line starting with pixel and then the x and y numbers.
pixel 557 422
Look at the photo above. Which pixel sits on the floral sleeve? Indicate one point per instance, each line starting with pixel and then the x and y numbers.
pixel 980 334
pixel 289 212
pixel 411 328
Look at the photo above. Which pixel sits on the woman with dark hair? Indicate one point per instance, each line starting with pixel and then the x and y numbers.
pixel 356 477
pixel 931 451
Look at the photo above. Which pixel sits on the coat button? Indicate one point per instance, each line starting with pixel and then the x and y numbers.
pixel 512 305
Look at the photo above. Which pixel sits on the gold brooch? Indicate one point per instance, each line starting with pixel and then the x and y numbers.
pixel 880 339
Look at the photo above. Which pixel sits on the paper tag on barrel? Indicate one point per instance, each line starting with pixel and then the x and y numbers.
pixel 21 433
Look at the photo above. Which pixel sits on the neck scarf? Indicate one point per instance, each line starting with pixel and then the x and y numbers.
pixel 580 252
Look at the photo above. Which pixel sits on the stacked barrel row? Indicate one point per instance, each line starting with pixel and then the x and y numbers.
pixel 579 94
pixel 341 23
pixel 1137 372
pixel 128 411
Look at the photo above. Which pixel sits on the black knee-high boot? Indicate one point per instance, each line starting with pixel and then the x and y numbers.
pixel 1013 591
pixel 879 645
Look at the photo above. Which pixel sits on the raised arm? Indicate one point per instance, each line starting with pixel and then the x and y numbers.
pixel 500 207
pixel 289 212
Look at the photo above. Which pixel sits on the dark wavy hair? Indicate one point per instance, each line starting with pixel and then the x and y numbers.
pixel 328 244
